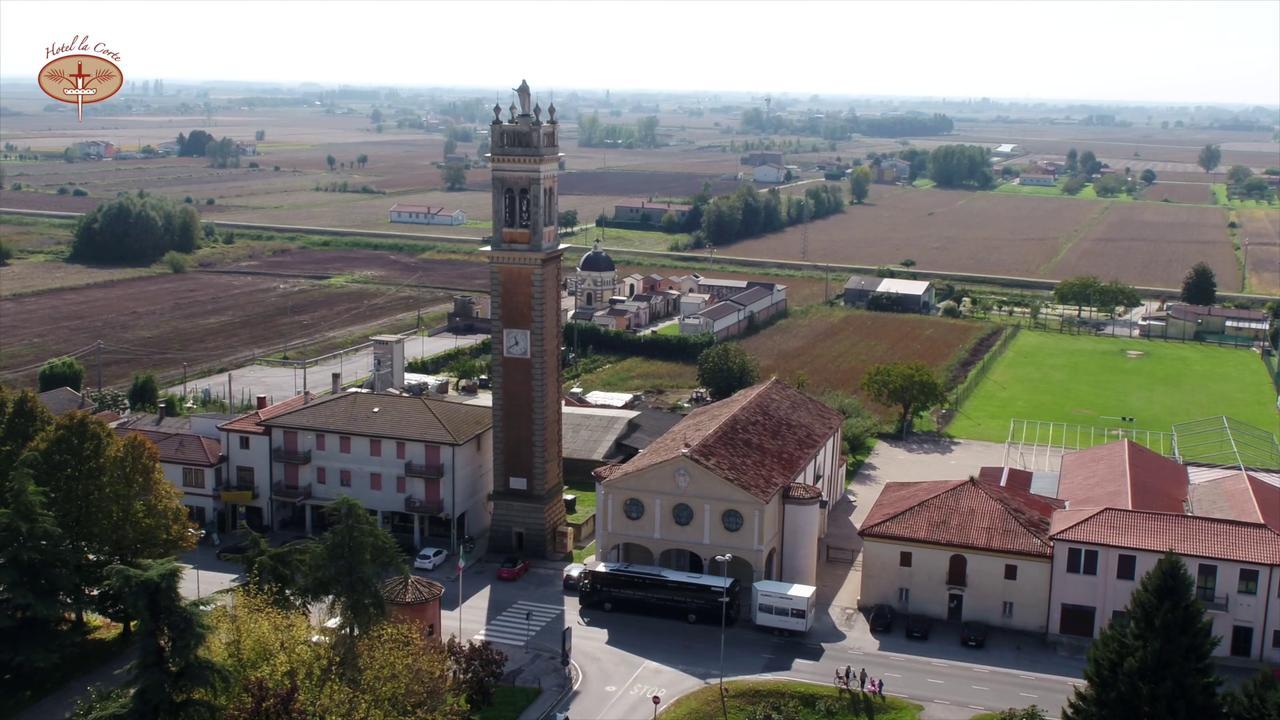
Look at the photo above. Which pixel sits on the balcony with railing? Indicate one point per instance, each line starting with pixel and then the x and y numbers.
pixel 291 457
pixel 423 507
pixel 430 471
pixel 236 488
pixel 1211 601
pixel 301 492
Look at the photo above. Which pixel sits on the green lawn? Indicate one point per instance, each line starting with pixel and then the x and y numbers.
pixel 585 490
pixel 1081 380
pixel 1221 198
pixel 1086 193
pixel 792 700
pixel 626 238
pixel 508 703
pixel 636 374
pixel 670 329
pixel 581 554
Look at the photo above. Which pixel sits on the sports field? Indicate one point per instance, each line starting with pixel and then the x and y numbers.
pixel 1094 381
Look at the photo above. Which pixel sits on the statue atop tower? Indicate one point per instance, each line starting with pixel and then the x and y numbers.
pixel 523 94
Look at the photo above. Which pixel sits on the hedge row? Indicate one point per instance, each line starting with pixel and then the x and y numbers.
pixel 436 363
pixel 685 348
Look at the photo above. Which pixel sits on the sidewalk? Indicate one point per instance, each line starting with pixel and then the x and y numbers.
pixel 61 702
pixel 538 668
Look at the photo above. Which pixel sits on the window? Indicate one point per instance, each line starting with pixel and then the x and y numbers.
pixel 904 596
pixel 244 442
pixel 1126 566
pixel 321 476
pixel 1248 582
pixel 682 514
pixel 375 481
pixel 1006 609
pixel 798 613
pixel 1082 562
pixel 400 484
pixel 633 508
pixel 1206 582
pixel 320 441
pixel 344 444
pixel 192 477
pixel 375 448
pixel 765 609
pixel 1275 638
pixel 957 568
pixel 732 520
pixel 904 559
pixel 1010 571
pixel 399 450
pixel 244 475
pixel 344 478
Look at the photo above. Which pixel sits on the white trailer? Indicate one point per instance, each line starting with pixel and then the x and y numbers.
pixel 783 606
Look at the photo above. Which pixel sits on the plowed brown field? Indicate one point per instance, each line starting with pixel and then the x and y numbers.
pixel 1261 228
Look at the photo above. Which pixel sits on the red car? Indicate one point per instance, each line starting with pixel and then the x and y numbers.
pixel 512 568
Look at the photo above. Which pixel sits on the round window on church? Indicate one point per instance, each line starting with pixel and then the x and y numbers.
pixel 682 514
pixel 633 508
pixel 732 520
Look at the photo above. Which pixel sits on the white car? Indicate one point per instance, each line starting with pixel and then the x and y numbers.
pixel 430 558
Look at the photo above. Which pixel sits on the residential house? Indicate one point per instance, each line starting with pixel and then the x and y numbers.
pixel 248 450
pixel 60 401
pixel 426 215
pixel 752 475
pixel 769 173
pixel 762 157
pixel 648 211
pixel 1006 150
pixel 422 465
pixel 195 465
pixel 246 147
pixel 1188 322
pixel 901 295
pixel 892 171
pixel 960 550
pixel 1037 180
pixel 94 149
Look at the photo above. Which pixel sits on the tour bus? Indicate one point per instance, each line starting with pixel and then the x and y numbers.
pixel 647 588
pixel 783 606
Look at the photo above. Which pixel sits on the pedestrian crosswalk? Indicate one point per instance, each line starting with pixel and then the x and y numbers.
pixel 518 623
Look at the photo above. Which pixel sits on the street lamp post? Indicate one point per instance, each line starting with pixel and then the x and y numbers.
pixel 199 535
pixel 724 560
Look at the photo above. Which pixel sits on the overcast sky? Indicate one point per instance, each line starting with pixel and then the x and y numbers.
pixel 1212 52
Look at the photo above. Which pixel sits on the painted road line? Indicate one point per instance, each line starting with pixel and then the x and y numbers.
pixel 934 681
pixel 979 670
pixel 939 664
pixel 626 684
pixel 942 702
pixel 530 603
pixel 976 707
pixel 856 652
pixel 898 695
pixel 1028 695
pixel 807 662
pixel 891 674
pixel 1026 677
pixel 978 687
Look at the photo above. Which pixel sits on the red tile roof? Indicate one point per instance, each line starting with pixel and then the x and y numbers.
pixel 1015 478
pixel 1122 474
pixel 410 590
pixel 250 422
pixel 963 513
pixel 1238 496
pixel 384 415
pixel 1187 535
pixel 180 448
pixel 758 440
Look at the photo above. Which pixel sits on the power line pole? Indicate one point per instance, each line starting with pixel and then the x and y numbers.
pixel 99 354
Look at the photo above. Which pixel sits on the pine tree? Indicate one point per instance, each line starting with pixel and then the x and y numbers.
pixel 1199 286
pixel 350 563
pixel 22 418
pixel 1157 662
pixel 33 577
pixel 1257 699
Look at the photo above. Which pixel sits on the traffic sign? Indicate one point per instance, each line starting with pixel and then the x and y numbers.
pixel 656 699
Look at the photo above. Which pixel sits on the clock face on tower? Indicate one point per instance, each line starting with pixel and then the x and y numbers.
pixel 515 343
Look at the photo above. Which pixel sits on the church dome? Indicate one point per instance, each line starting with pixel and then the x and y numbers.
pixel 596 260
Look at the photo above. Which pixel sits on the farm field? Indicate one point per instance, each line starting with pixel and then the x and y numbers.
pixel 1091 381
pixel 375 266
pixel 206 319
pixel 1262 229
pixel 638 374
pixel 1196 194
pixel 833 347
pixel 1153 245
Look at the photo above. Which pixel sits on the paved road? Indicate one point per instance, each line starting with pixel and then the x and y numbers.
pixel 281 383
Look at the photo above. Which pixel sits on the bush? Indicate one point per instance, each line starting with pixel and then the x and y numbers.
pixel 209 201
pixel 949 309
pixel 80 192
pixel 188 200
pixel 144 394
pixel 436 363
pixel 176 261
pixel 61 372
pixel 275 168
pixel 6 252
pixel 136 230
pixel 253 166
pixel 16 187
pixel 679 348
pixel 64 190
pixel 1073 186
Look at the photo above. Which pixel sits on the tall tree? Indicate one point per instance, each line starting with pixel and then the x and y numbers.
pixel 725 368
pixel 1089 164
pixel 477 668
pixel 22 418
pixel 1257 699
pixel 1237 174
pixel 34 580
pixel 450 147
pixel 860 183
pixel 1210 157
pixel 455 177
pixel 144 393
pixel 910 386
pixel 277 574
pixel 1157 663
pixel 350 563
pixel 1199 286
pixel 1073 161
pixel 143 513
pixel 1148 176
pixel 72 462
pixel 331 161
pixel 171 678
pixel 61 372
pixel 1081 291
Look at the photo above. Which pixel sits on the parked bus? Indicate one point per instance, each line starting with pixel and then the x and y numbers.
pixel 647 588
pixel 781 606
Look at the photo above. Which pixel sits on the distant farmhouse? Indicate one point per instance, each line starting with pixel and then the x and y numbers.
pixel 1188 322
pixel 426 215
pixel 1006 150
pixel 94 150
pixel 648 211
pixel 903 295
pixel 756 159
pixel 892 171
pixel 769 173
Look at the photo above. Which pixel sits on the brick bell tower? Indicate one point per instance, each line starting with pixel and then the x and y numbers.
pixel 524 283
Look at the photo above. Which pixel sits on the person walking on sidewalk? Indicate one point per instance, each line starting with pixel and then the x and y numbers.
pixel 862 680
pixel 848 674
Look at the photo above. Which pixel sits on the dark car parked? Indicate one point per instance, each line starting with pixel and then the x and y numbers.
pixel 881 619
pixel 973 634
pixel 918 627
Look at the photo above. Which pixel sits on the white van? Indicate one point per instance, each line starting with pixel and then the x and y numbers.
pixel 783 606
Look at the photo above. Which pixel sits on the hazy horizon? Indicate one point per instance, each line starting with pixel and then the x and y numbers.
pixel 1190 53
